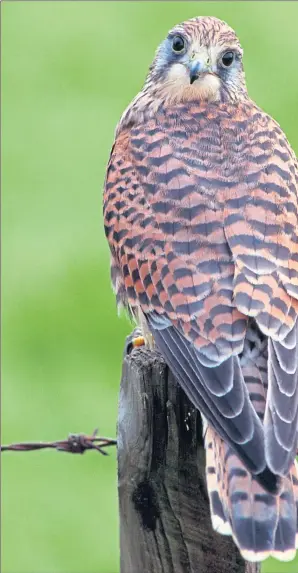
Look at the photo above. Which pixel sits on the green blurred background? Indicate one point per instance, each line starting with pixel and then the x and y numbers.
pixel 68 71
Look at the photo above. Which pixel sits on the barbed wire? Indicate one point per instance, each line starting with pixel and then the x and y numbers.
pixel 74 444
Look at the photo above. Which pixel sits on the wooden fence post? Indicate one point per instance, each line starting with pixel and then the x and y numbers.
pixel 165 524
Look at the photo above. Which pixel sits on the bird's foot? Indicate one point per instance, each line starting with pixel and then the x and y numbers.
pixel 134 340
pixel 138 341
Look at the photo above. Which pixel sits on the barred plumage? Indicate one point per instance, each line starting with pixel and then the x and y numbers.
pixel 200 211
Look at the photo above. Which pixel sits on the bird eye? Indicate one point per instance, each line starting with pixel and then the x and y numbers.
pixel 178 44
pixel 227 59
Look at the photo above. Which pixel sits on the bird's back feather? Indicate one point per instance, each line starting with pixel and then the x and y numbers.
pixel 200 212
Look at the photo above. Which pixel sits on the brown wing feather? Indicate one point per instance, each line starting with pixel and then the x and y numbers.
pixel 260 222
pixel 201 215
pixel 162 213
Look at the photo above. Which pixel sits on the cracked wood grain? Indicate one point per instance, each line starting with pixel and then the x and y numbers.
pixel 165 524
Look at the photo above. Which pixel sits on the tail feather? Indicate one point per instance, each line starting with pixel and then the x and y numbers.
pixel 262 524
pixel 294 478
pixel 220 520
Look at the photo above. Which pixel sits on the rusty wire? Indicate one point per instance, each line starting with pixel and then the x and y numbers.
pixel 74 444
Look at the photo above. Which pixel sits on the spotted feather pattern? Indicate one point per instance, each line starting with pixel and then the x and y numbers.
pixel 200 210
pixel 262 524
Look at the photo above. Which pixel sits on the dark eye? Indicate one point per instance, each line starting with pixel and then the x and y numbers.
pixel 178 44
pixel 227 59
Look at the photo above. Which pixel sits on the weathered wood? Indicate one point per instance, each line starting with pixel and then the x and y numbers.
pixel 165 524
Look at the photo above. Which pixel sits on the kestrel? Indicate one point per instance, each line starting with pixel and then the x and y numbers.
pixel 200 210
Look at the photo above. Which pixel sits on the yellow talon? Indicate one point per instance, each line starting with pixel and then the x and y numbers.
pixel 138 341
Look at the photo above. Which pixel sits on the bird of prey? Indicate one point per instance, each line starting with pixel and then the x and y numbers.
pixel 200 211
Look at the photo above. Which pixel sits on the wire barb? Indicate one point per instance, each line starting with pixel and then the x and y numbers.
pixel 74 444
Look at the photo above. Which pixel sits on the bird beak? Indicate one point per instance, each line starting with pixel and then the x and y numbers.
pixel 196 68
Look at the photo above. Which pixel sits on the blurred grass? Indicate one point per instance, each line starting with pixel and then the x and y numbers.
pixel 68 71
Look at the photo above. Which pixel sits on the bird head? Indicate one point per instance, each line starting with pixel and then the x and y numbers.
pixel 200 59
